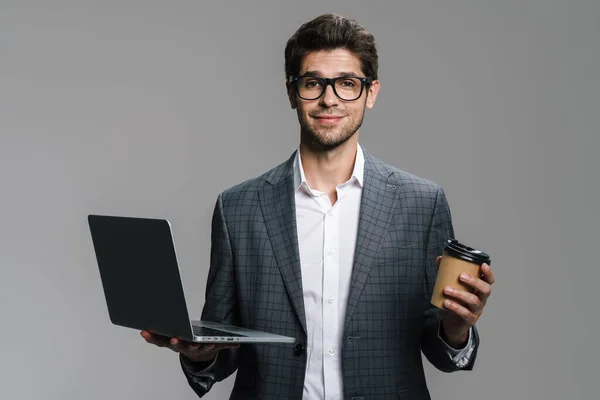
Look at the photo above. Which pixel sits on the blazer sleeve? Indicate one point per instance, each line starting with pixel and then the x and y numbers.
pixel 434 348
pixel 219 306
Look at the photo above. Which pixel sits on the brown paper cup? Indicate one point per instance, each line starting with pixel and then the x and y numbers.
pixel 456 259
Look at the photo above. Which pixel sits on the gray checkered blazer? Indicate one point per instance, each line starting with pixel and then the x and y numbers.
pixel 255 281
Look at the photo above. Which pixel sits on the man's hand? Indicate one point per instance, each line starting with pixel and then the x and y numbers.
pixel 465 309
pixel 197 352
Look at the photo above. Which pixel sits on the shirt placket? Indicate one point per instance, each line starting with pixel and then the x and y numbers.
pixel 330 296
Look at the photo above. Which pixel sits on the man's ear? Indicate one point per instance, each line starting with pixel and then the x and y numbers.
pixel 291 95
pixel 372 94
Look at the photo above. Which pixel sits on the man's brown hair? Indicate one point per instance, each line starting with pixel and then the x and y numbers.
pixel 330 32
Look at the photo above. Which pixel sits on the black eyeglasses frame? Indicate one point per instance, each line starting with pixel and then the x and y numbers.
pixel 365 82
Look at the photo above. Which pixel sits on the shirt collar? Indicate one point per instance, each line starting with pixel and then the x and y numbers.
pixel 357 172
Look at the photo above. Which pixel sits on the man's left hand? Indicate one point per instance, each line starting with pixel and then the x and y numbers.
pixel 464 309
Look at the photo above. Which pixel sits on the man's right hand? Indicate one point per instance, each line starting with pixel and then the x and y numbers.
pixel 197 352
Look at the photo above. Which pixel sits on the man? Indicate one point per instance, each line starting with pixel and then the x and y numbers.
pixel 334 248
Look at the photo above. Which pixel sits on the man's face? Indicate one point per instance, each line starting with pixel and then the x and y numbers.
pixel 328 121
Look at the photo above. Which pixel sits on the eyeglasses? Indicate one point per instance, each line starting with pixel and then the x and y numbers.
pixel 347 88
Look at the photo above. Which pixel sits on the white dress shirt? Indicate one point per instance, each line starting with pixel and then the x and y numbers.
pixel 326 239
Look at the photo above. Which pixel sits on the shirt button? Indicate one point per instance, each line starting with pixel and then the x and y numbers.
pixel 331 299
pixel 329 252
pixel 331 352
pixel 329 213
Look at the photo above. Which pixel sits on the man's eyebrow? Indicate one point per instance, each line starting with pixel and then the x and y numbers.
pixel 312 73
pixel 348 74
pixel 343 74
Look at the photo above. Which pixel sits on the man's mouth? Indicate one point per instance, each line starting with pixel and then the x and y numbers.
pixel 328 118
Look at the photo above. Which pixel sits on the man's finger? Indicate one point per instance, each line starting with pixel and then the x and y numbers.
pixel 461 311
pixel 487 274
pixel 182 346
pixel 157 340
pixel 483 288
pixel 469 299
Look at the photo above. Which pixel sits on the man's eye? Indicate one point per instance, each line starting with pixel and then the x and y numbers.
pixel 347 83
pixel 312 84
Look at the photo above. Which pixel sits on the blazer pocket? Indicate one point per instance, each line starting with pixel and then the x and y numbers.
pixel 421 390
pixel 399 258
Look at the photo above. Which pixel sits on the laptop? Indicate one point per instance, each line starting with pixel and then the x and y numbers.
pixel 142 284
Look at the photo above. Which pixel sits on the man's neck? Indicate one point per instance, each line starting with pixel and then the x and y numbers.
pixel 328 169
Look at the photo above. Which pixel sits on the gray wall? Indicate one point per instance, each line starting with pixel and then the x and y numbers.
pixel 151 108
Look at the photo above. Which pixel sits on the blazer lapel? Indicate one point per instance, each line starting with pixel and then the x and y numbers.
pixel 277 203
pixel 376 208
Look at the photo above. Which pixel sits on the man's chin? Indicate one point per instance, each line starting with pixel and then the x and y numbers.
pixel 326 142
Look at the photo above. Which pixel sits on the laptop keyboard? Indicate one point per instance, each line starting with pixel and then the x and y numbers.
pixel 204 331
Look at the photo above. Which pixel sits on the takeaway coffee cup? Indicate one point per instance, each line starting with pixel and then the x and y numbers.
pixel 456 259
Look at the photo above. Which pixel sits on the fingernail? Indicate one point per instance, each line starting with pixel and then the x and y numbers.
pixel 448 290
pixel 464 277
pixel 447 303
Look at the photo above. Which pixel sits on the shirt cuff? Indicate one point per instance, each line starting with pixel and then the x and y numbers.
pixel 460 357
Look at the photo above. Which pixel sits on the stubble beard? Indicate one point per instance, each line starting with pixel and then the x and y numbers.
pixel 328 138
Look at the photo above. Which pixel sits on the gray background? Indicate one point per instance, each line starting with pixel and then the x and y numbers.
pixel 151 108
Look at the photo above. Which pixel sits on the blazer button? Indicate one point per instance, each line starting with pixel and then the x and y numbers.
pixel 299 349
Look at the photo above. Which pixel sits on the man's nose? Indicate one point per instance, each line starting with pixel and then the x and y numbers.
pixel 329 98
